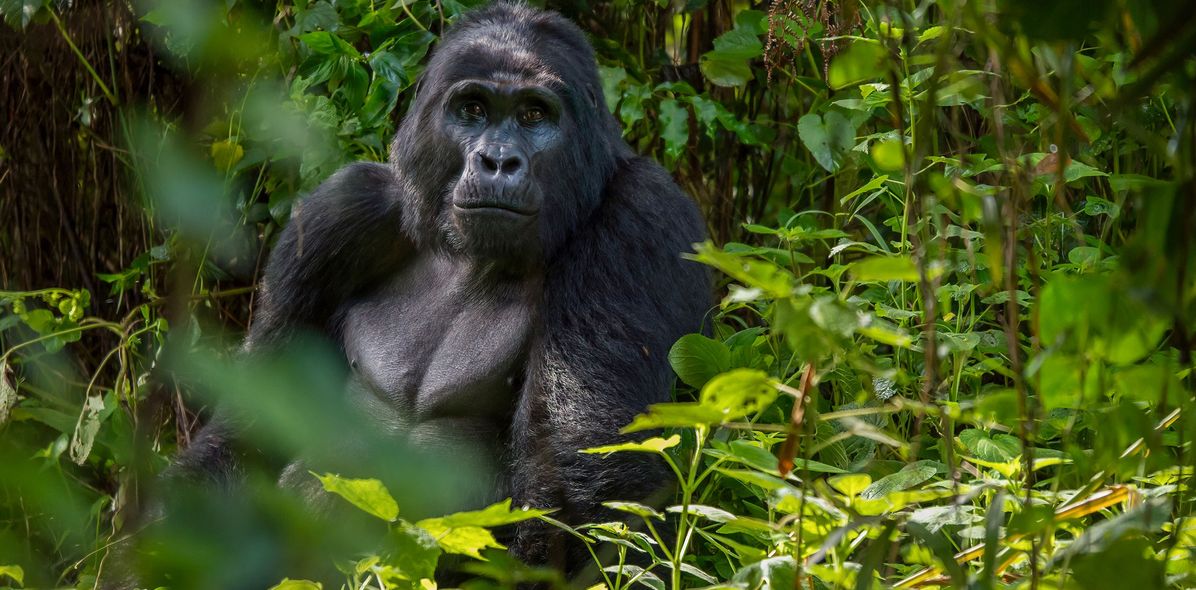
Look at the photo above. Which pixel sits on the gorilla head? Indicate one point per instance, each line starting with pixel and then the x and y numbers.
pixel 491 156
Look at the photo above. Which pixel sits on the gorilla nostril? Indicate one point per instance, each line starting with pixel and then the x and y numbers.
pixel 488 163
pixel 511 165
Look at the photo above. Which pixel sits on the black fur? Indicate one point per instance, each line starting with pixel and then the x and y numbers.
pixel 608 290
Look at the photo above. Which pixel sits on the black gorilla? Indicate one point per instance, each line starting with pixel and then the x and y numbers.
pixel 507 287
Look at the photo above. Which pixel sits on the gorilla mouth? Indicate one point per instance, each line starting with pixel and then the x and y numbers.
pixel 495 207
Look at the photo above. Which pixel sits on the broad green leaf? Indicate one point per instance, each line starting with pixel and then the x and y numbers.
pixel 723 69
pixel 996 449
pixel 86 429
pixel 674 121
pixel 833 316
pixel 1076 170
pixel 226 154
pixel 750 271
pixel 674 415
pixel 937 517
pixel 885 268
pixel 367 494
pixel 1148 383
pixel 851 484
pixel 774 573
pixel 888 155
pixel 909 476
pixel 828 137
pixel 886 333
pixel 19 13
pixel 652 445
pixel 862 61
pixel 466 540
pixel 738 393
pixel 415 552
pixel 696 359
pixel 289 584
pixel 497 514
pixel 751 453
pixel 15 572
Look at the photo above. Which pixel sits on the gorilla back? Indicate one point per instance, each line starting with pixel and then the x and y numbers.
pixel 505 289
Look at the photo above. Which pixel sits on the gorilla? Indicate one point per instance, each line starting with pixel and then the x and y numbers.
pixel 506 288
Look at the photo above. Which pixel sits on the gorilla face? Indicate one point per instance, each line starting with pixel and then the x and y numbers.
pixel 508 145
pixel 505 132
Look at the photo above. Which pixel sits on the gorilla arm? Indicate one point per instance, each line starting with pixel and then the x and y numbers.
pixel 341 238
pixel 615 301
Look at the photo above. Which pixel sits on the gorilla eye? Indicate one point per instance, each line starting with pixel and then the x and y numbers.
pixel 532 116
pixel 473 110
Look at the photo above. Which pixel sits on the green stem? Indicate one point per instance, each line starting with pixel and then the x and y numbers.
pixel 86 64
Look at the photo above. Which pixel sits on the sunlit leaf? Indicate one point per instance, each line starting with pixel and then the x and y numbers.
pixel 739 392
pixel 367 494
pixel 652 445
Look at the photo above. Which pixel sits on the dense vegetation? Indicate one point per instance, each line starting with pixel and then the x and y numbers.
pixel 957 243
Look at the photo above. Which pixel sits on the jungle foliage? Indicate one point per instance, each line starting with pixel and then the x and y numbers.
pixel 957 243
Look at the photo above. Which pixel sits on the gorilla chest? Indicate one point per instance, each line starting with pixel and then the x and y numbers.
pixel 432 345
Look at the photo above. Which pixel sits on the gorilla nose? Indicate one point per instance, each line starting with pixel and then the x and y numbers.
pixel 502 162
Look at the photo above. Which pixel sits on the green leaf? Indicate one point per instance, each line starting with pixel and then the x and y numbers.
pixel 774 573
pixel 724 69
pixel 637 574
pixel 739 43
pixel 994 449
pixel 367 494
pixel 289 584
pixel 909 476
pixel 497 514
pixel 1146 383
pixel 885 268
pixel 888 155
pixel 862 61
pixel 751 272
pixel 875 184
pixel 226 154
pixel 86 429
pixel 674 121
pixel 674 415
pixel 740 392
pixel 697 359
pixel 15 572
pixel 652 445
pixel 851 484
pixel 707 512
pixel 828 137
pixel 635 508
pixel 1145 518
pixel 19 13
pixel 1077 170
pixel 751 453
pixel 415 552
pixel 937 517
pixel 730 62
pixel 467 540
